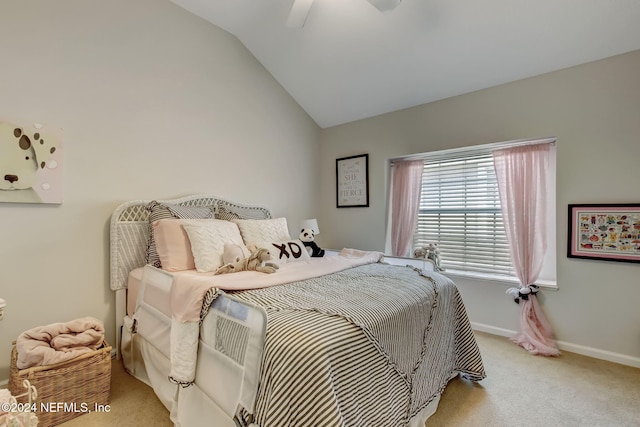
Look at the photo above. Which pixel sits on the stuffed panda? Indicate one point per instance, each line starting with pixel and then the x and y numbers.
pixel 307 237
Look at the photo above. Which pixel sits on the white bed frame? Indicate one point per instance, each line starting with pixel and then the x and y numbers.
pixel 129 235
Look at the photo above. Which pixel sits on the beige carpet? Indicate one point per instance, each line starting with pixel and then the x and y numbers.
pixel 520 390
pixel 525 390
pixel 132 403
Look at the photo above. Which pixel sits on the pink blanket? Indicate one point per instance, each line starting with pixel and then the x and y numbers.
pixel 58 342
pixel 189 288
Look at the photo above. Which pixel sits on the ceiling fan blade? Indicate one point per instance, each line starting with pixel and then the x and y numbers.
pixel 385 5
pixel 298 14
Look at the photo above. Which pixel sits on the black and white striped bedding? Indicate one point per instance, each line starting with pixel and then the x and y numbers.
pixel 368 346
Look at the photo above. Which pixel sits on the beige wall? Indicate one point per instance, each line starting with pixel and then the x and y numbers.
pixel 154 103
pixel 593 110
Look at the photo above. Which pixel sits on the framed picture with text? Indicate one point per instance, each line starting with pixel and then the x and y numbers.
pixel 352 181
pixel 609 232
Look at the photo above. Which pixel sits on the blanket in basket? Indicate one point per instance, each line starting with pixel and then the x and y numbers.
pixel 58 342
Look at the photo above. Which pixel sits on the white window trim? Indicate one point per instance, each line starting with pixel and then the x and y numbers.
pixel 498 279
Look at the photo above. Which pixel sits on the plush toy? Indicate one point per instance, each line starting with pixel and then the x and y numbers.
pixel 523 292
pixel 307 236
pixel 234 253
pixel 429 251
pixel 257 261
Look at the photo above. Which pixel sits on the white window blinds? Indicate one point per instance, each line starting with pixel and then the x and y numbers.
pixel 460 210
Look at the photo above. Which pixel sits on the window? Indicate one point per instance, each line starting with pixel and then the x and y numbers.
pixel 460 210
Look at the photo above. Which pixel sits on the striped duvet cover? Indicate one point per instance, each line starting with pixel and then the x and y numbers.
pixel 368 346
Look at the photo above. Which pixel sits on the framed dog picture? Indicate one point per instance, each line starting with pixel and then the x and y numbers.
pixel 609 232
pixel 30 163
pixel 352 181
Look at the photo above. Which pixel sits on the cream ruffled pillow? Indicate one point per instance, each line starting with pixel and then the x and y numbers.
pixel 263 230
pixel 208 237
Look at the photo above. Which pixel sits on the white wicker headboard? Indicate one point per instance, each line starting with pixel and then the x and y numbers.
pixel 130 230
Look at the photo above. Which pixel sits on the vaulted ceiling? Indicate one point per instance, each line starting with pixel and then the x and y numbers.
pixel 344 60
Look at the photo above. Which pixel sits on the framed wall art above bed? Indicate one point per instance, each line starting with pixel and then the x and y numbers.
pixel 352 181
pixel 609 232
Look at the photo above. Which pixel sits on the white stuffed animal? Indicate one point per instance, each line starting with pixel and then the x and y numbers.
pixel 257 261
pixel 429 251
pixel 234 253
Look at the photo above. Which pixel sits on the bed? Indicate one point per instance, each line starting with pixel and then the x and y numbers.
pixel 344 340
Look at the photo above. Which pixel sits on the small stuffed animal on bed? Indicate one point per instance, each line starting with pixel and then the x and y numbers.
pixel 257 261
pixel 233 253
pixel 307 236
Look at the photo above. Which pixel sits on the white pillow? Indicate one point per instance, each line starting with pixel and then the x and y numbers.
pixel 208 237
pixel 263 230
pixel 285 251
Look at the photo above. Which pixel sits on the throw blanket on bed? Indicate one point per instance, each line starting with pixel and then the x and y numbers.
pixel 390 324
pixel 191 293
pixel 395 326
pixel 58 342
pixel 394 318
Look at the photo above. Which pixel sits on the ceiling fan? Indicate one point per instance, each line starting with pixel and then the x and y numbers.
pixel 300 10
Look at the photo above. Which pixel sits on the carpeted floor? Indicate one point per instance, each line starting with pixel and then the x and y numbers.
pixel 132 403
pixel 520 391
pixel 531 391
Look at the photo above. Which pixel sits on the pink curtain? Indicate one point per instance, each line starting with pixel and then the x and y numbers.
pixel 522 181
pixel 405 202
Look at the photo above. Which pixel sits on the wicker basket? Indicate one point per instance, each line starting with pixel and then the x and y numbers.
pixel 69 389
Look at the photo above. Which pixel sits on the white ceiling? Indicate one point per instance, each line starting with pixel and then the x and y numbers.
pixel 350 61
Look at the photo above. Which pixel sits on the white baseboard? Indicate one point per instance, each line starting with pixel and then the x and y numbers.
pixel 492 329
pixel 596 353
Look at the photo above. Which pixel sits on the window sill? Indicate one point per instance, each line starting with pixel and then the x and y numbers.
pixel 495 278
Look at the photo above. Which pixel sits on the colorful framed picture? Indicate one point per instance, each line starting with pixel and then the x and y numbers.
pixel 609 232
pixel 352 181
